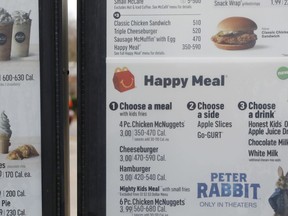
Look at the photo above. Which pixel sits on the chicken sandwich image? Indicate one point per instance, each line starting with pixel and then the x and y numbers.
pixel 235 33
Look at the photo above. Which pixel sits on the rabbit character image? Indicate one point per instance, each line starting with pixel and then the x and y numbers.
pixel 279 199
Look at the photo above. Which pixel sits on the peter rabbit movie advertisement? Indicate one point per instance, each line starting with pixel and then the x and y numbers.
pixel 20 146
pixel 197 120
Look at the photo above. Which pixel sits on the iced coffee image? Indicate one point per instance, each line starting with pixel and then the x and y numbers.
pixel 6 25
pixel 21 33
pixel 5 133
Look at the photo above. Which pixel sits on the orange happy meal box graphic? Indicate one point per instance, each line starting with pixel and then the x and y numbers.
pixel 123 79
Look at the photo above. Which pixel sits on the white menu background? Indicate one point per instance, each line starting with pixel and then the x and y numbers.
pixel 204 130
pixel 20 190
pixel 182 28
pixel 217 137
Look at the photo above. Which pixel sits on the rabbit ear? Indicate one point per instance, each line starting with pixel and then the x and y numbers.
pixel 280 172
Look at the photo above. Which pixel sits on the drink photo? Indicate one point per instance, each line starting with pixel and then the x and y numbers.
pixel 6 25
pixel 21 33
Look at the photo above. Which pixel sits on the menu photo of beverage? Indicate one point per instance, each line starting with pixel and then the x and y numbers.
pixel 16 34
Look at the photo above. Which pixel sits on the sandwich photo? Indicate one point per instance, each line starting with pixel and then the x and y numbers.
pixel 235 33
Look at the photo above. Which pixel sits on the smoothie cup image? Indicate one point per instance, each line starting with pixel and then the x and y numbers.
pixel 6 25
pixel 5 133
pixel 21 33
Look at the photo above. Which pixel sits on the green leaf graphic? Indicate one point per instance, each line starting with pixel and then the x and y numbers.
pixel 282 73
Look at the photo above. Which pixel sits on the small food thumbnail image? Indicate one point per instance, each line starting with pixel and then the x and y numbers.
pixel 235 33
pixel 24 151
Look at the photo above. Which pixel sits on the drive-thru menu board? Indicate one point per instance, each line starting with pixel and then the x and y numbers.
pixel 190 135
pixel 187 28
pixel 20 144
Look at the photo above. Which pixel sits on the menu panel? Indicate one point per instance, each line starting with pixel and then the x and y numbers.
pixel 193 137
pixel 196 107
pixel 20 124
pixel 195 28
